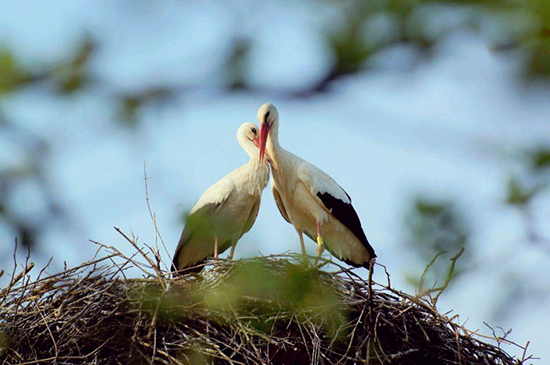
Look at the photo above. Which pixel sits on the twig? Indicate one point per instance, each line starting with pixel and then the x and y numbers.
pixel 94 314
pixel 152 215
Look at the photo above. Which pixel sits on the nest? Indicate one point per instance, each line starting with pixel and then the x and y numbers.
pixel 266 310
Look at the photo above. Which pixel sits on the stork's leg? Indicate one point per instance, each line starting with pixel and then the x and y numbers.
pixel 301 235
pixel 233 244
pixel 320 242
pixel 216 247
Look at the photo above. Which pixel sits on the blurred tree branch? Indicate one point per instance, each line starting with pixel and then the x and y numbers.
pixel 31 168
pixel 524 189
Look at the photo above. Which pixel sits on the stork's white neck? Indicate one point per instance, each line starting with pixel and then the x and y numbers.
pixel 273 147
pixel 249 147
pixel 253 151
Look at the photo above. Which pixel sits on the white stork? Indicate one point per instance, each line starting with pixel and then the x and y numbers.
pixel 227 209
pixel 311 200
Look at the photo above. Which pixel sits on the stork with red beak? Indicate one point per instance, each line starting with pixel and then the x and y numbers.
pixel 226 210
pixel 311 200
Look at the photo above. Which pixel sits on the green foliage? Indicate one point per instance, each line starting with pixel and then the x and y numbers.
pixel 436 228
pixel 69 76
pixel 129 110
pixel 130 104
pixel 537 41
pixel 518 194
pixel 348 45
pixel 524 188
pixel 540 158
pixel 422 291
pixel 521 25
pixel 73 75
pixel 527 28
pixel 12 75
pixel 236 65
pixel 253 291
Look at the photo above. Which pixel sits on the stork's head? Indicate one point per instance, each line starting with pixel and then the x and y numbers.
pixel 248 136
pixel 268 116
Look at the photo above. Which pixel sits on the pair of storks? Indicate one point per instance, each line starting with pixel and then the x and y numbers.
pixel 307 198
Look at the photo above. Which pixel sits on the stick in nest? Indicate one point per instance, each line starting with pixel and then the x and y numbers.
pixel 266 310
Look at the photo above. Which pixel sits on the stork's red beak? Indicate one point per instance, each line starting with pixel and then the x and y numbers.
pixel 263 140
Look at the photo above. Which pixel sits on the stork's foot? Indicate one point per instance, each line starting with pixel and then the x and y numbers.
pixel 303 246
pixel 320 245
pixel 232 251
pixel 320 249
pixel 216 249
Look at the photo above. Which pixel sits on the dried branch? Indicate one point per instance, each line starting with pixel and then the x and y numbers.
pixel 267 310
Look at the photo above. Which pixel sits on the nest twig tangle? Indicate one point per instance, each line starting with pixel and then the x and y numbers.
pixel 266 310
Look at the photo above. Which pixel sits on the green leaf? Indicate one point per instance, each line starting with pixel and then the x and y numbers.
pixel 517 194
pixel 540 158
pixel 11 74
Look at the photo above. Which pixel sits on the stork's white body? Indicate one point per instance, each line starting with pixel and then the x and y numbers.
pixel 313 202
pixel 226 210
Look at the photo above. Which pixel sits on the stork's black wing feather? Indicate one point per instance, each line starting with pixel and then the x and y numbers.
pixel 345 213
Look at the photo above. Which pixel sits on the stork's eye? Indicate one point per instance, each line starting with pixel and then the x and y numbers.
pixel 267 115
pixel 253 130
